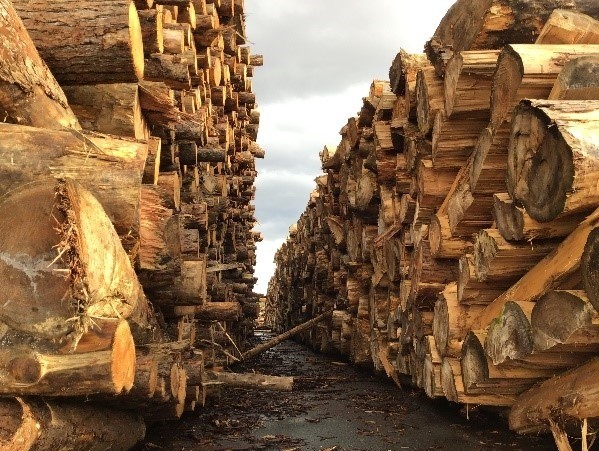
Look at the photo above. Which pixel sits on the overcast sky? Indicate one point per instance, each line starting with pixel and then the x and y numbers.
pixel 320 57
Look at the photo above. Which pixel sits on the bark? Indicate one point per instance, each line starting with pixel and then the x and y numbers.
pixel 100 42
pixel 169 69
pixel 553 163
pixel 151 23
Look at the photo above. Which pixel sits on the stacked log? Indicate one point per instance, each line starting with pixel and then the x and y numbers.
pixel 128 176
pixel 454 230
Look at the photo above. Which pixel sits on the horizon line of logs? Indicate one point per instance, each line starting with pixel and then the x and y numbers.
pixel 127 251
pixel 455 230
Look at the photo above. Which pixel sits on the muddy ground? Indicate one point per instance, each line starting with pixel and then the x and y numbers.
pixel 335 407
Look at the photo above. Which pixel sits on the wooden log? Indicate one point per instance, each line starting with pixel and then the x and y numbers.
pixel 159 255
pixel 219 311
pixel 515 224
pixel 559 140
pixel 30 93
pixel 251 380
pixel 473 291
pixel 100 42
pixel 480 376
pixel 562 262
pixel 169 69
pixel 569 396
pixel 454 390
pixel 67 263
pixel 569 27
pixel 529 72
pixel 468 81
pixel 452 321
pixel 109 108
pixel 284 336
pixel 578 80
pixel 489 24
pixel 566 320
pixel 510 334
pixel 496 258
pixel 102 361
pixel 110 168
pixel 151 22
pixel 429 98
pixel 52 424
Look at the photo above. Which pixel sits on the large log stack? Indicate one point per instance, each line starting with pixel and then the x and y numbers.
pixel 127 180
pixel 454 230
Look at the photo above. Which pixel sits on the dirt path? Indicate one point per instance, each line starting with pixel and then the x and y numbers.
pixel 334 406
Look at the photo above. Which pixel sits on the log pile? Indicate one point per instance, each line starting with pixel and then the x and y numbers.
pixel 127 178
pixel 454 231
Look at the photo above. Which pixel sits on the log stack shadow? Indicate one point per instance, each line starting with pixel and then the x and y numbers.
pixel 454 229
pixel 127 179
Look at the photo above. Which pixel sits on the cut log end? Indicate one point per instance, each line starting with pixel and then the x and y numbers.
pixel 136 39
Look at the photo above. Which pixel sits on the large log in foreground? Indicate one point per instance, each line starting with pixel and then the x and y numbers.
pixel 65 262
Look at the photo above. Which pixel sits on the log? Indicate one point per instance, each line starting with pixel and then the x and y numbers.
pixel 219 311
pixel 565 319
pixel 515 224
pixel 529 72
pixel 100 42
pixel 496 258
pixel 52 424
pixel 110 168
pixel 251 380
pixel 284 336
pixel 562 262
pixel 170 69
pixel 151 23
pixel 569 27
pixel 569 396
pixel 30 93
pixel 510 334
pixel 578 80
pixel 429 98
pixel 490 24
pixel 468 81
pixel 108 108
pixel 101 361
pixel 67 263
pixel 553 165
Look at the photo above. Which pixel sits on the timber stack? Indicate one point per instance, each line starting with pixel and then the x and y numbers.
pixel 455 230
pixel 127 178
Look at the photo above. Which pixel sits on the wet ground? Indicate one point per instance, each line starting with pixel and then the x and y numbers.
pixel 333 407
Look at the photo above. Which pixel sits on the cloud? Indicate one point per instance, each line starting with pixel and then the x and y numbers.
pixel 317 46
